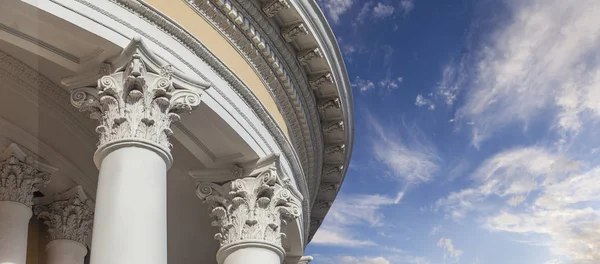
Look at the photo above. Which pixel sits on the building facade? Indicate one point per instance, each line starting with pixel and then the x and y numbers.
pixel 168 131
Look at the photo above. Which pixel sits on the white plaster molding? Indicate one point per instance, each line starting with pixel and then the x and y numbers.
pixel 70 216
pixel 298 260
pixel 252 208
pixel 139 100
pixel 306 56
pixel 20 175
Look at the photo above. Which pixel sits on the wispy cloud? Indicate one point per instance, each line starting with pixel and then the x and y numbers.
pixel 543 61
pixel 410 158
pixel 335 8
pixel 382 10
pixel 350 212
pixel 422 101
pixel 544 193
pixel 449 251
pixel 387 84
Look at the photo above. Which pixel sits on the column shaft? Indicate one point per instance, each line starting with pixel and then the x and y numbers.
pixel 65 251
pixel 14 224
pixel 130 223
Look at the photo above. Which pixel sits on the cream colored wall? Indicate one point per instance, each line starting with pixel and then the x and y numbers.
pixel 181 13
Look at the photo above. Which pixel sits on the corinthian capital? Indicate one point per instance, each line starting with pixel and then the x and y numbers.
pixel 20 175
pixel 140 98
pixel 69 217
pixel 251 208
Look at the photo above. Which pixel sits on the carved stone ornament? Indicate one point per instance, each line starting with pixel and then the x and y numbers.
pixel 272 7
pixel 333 127
pixel 292 32
pixel 20 175
pixel 70 217
pixel 252 208
pixel 308 55
pixel 138 101
pixel 317 82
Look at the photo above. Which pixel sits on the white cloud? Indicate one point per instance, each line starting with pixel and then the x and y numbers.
pixel 422 101
pixel 449 250
pixel 391 84
pixel 351 211
pixel 411 159
pixel 512 174
pixel 335 8
pixel 545 60
pixel 435 230
pixel 362 260
pixel 331 236
pixel 563 209
pixel 363 85
pixel 382 10
pixel 406 6
pixel 453 78
pixel 386 84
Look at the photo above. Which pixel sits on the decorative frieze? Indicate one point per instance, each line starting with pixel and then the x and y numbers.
pixel 332 171
pixel 20 175
pixel 292 32
pixel 317 82
pixel 306 56
pixel 136 101
pixel 272 7
pixel 332 127
pixel 69 217
pixel 252 208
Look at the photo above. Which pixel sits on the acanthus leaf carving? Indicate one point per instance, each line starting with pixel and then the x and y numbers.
pixel 306 56
pixel 333 127
pixel 251 208
pixel 134 103
pixel 21 175
pixel 317 82
pixel 273 7
pixel 293 31
pixel 70 217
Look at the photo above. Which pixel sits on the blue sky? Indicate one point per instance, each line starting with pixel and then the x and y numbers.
pixel 476 133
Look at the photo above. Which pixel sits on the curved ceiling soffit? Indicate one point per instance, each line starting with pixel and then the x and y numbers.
pixel 28 81
pixel 276 78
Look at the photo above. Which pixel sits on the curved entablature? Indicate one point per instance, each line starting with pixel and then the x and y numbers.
pixel 291 46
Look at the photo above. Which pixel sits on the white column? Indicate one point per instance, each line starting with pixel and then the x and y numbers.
pixel 298 260
pixel 69 220
pixel 250 214
pixel 135 106
pixel 19 176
